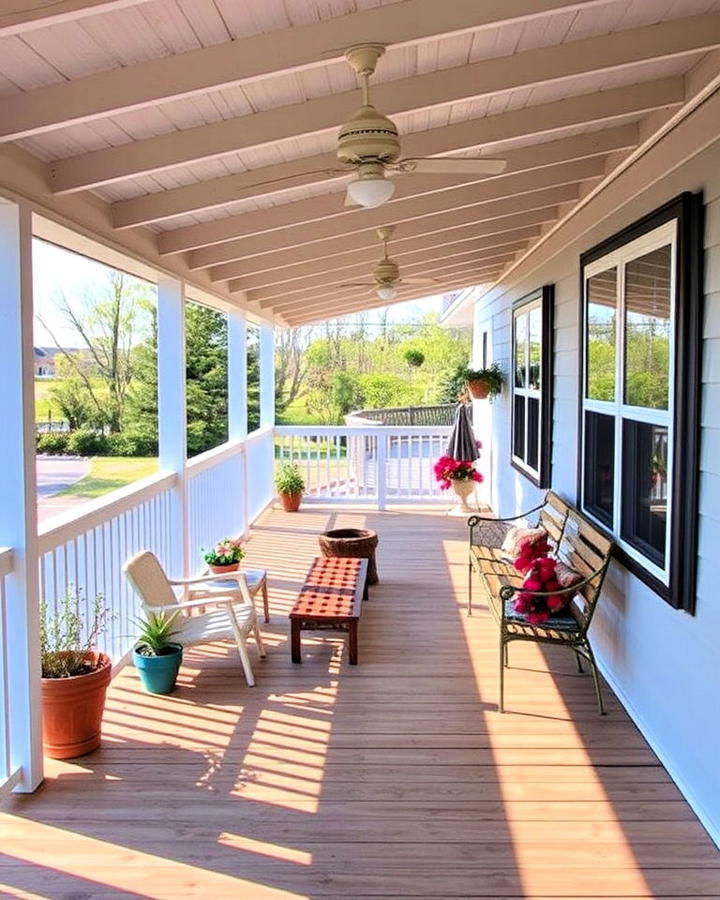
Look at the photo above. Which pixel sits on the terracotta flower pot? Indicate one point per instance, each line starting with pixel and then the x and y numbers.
pixel 72 710
pixel 478 389
pixel 218 570
pixel 290 502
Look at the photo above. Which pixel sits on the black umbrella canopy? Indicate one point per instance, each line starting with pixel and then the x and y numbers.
pixel 462 444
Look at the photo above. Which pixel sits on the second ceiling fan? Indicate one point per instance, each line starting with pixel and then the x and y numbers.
pixel 370 142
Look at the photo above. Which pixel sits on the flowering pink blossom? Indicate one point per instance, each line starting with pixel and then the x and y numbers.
pixel 447 470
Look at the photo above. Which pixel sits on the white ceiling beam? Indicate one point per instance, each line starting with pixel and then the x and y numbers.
pixel 367 300
pixel 408 251
pixel 445 227
pixel 461 136
pixel 334 292
pixel 27 15
pixel 325 282
pixel 412 193
pixel 287 225
pixel 326 232
pixel 487 77
pixel 248 59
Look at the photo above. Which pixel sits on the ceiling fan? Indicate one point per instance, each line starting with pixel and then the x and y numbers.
pixel 370 142
pixel 386 273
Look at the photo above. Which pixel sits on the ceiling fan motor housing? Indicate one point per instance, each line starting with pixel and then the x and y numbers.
pixel 386 271
pixel 368 136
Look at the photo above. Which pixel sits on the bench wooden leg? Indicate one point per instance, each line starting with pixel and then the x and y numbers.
pixel 470 575
pixel 353 642
pixel 295 641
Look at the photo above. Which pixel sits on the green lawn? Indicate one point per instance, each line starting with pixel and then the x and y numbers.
pixel 44 402
pixel 108 473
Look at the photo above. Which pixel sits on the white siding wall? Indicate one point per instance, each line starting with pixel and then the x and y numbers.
pixel 664 664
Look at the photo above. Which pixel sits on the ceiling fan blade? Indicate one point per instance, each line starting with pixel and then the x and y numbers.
pixel 453 165
pixel 357 284
pixel 419 280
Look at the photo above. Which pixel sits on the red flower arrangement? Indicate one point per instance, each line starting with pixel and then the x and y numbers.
pixel 546 575
pixel 448 470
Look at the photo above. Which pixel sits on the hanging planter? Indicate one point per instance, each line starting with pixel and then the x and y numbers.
pixel 485 383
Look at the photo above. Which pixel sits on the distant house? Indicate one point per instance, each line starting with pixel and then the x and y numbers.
pixel 44 361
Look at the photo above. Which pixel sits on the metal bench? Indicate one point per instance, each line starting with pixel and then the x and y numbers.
pixel 579 544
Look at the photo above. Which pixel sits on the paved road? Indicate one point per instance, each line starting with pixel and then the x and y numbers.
pixel 55 473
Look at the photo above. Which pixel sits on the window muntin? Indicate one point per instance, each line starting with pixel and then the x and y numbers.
pixel 628 429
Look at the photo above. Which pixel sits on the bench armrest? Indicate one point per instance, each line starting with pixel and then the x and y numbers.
pixel 507 590
pixel 475 521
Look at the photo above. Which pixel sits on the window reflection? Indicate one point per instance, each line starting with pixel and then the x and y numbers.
pixel 601 323
pixel 599 465
pixel 520 350
pixel 535 348
pixel 644 507
pixel 647 329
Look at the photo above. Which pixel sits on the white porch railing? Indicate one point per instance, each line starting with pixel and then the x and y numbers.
pixel 216 498
pixel 378 464
pixel 8 774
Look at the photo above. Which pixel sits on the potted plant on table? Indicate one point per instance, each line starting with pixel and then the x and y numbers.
pixel 157 658
pixel 75 676
pixel 290 485
pixel 486 382
pixel 225 556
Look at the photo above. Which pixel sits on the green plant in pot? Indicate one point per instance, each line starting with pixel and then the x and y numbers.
pixel 486 382
pixel 156 657
pixel 75 675
pixel 225 556
pixel 290 485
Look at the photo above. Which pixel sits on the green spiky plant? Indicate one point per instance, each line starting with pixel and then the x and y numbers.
pixel 155 633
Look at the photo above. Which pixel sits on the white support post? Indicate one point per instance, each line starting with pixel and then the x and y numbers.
pixel 381 470
pixel 172 416
pixel 237 396
pixel 237 376
pixel 18 511
pixel 267 376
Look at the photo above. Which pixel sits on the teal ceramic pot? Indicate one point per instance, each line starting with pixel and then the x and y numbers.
pixel 159 673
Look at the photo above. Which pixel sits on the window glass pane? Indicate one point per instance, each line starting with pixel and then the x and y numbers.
pixel 599 465
pixel 519 428
pixel 647 329
pixel 601 318
pixel 645 488
pixel 533 428
pixel 520 350
pixel 535 348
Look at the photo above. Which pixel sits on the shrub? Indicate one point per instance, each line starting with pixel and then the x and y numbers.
pixel 87 443
pixel 414 358
pixel 54 442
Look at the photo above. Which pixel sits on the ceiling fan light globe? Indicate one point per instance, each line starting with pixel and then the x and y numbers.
pixel 370 192
pixel 386 292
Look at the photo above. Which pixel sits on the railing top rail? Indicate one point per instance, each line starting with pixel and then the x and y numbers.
pixel 212 457
pixel 359 431
pixel 67 526
pixel 6 561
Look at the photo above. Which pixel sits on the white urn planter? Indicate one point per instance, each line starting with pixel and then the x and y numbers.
pixel 464 489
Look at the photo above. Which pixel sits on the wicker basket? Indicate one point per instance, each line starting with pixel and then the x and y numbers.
pixel 357 543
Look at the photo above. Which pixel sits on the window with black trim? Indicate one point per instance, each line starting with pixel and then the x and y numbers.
pixel 639 435
pixel 531 385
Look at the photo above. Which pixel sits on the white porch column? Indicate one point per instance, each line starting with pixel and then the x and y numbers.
pixel 237 375
pixel 267 375
pixel 172 416
pixel 18 512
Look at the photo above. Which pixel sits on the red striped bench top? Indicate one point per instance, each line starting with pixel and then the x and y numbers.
pixel 333 589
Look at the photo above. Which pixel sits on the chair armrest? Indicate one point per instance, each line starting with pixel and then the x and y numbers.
pixel 188 604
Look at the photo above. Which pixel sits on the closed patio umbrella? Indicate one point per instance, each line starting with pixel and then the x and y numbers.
pixel 462 444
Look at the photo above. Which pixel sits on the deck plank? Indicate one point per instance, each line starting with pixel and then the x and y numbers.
pixel 397 778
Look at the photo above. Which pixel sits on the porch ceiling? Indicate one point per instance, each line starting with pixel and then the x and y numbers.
pixel 197 133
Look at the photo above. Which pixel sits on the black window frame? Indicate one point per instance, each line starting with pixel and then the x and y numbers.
pixel 688 209
pixel 545 297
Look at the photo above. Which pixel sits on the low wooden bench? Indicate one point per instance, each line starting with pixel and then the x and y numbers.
pixel 578 543
pixel 330 600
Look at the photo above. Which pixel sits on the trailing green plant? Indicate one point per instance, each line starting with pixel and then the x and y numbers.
pixel 155 633
pixel 289 480
pixel 493 376
pixel 65 640
pixel 414 358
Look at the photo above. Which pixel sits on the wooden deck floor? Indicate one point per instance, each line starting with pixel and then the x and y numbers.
pixel 395 778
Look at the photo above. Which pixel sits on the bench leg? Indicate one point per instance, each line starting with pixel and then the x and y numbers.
pixel 295 641
pixel 470 574
pixel 353 642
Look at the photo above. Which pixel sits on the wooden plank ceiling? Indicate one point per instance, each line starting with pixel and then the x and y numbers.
pixel 208 128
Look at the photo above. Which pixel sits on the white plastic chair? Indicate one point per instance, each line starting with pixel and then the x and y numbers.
pixel 234 615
